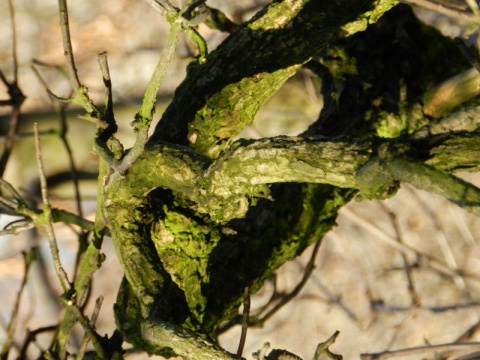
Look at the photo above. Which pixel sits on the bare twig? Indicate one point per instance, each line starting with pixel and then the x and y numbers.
pixel 383 236
pixel 196 12
pixel 14 315
pixel 450 11
pixel 14 41
pixel 88 328
pixel 323 348
pixel 406 264
pixel 105 138
pixel 93 320
pixel 261 354
pixel 67 45
pixel 378 306
pixel 246 316
pixel 109 116
pixel 60 107
pixel 421 350
pixel 16 227
pixel 239 319
pixel 306 275
pixel 48 218
pixel 16 100
pixel 469 334
pixel 31 336
pixel 164 7
pixel 336 300
pixel 90 263
pixel 144 117
pixel 444 246
pixel 80 96
pixel 13 192
pixel 62 133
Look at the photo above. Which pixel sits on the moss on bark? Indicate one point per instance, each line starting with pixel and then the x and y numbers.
pixel 195 220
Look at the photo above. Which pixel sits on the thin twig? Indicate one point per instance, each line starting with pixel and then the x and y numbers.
pixel 71 161
pixel 144 117
pixel 60 107
pixel 469 334
pixel 187 12
pixel 444 246
pixel 87 327
pixel 406 264
pixel 93 320
pixel 14 317
pixel 164 7
pixel 107 133
pixel 421 350
pixel 445 10
pixel 13 192
pixel 407 249
pixel 67 45
pixel 306 275
pixel 48 218
pixel 16 97
pixel 82 234
pixel 323 348
pixel 90 263
pixel 380 307
pixel 62 133
pixel 335 300
pixel 107 82
pixel 80 96
pixel 246 319
pixel 14 41
pixel 284 300
pixel 31 336
pixel 10 138
pixel 227 325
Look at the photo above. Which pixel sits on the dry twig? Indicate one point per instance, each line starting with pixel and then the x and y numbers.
pixel 421 350
pixel 246 315
pixel 47 222
pixel 406 264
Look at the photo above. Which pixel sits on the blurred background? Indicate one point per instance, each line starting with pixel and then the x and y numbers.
pixel 393 274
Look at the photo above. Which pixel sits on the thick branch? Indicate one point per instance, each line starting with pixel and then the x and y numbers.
pixel 222 188
pixel 176 280
pixel 221 96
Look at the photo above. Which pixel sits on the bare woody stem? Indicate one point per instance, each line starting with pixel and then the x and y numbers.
pixel 67 45
pixel 47 221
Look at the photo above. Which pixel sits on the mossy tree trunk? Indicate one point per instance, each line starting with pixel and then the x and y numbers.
pixel 198 217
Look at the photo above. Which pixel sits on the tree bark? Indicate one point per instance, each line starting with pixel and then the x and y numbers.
pixel 197 218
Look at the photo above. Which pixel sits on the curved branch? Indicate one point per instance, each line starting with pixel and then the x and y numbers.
pixel 223 187
pixel 220 97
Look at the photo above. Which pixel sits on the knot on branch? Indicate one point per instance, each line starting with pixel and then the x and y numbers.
pixel 375 181
pixel 374 178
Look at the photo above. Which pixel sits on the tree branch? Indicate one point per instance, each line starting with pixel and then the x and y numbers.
pixel 222 188
pixel 240 75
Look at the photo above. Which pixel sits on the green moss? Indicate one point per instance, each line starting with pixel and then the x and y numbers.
pixel 228 111
pixel 375 181
pixel 456 154
pixel 184 243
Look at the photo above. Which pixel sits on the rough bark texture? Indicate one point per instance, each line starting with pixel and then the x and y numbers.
pixel 196 219
pixel 220 97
